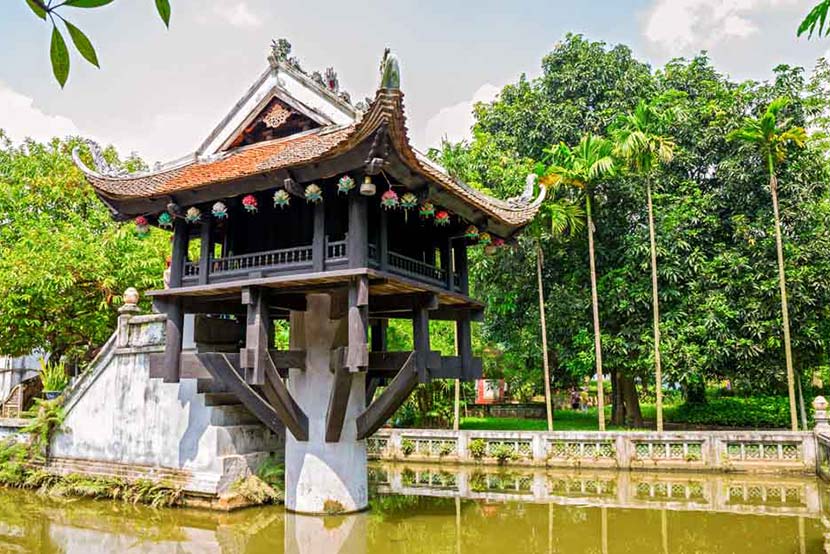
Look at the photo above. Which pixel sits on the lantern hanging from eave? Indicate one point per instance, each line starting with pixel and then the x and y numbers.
pixel 165 220
pixel 249 202
pixel 427 209
pixel 345 184
pixel 368 188
pixel 389 200
pixel 142 226
pixel 442 218
pixel 193 215
pixel 472 232
pixel 281 198
pixel 313 194
pixel 219 211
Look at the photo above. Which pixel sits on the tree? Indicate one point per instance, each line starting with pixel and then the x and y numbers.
pixel 815 21
pixel 587 164
pixel 48 10
pixel 63 262
pixel 772 136
pixel 641 142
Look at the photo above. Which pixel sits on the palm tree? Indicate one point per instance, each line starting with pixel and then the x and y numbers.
pixel 772 136
pixel 583 167
pixel 641 143
pixel 557 218
pixel 815 21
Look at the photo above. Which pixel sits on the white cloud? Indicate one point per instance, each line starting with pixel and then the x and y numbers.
pixel 677 25
pixel 235 12
pixel 455 122
pixel 20 118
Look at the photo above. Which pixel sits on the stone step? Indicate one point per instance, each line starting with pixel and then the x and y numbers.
pixel 221 399
pixel 231 414
pixel 245 439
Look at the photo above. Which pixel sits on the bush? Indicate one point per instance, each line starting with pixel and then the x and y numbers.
pixel 757 412
pixel 407 447
pixel 53 376
pixel 504 452
pixel 477 448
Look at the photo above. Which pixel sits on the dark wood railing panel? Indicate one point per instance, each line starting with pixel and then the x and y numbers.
pixel 297 256
pixel 336 250
pixel 411 267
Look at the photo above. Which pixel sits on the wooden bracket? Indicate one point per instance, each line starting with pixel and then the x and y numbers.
pixel 389 400
pixel 341 389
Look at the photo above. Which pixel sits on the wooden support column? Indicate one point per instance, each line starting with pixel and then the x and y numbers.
pixel 179 254
pixel 463 331
pixel 254 357
pixel 378 344
pixel 318 242
pixel 446 263
pixel 357 357
pixel 389 400
pixel 420 339
pixel 460 251
pixel 205 252
pixel 173 344
pixel 383 240
pixel 358 241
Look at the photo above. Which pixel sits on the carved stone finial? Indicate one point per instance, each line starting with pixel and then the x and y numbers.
pixel 820 415
pixel 101 165
pixel 280 49
pixel 390 72
pixel 130 305
pixel 331 81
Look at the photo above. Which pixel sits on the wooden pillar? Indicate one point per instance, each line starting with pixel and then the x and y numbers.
pixel 378 344
pixel 173 342
pixel 464 333
pixel 420 340
pixel 446 264
pixel 383 240
pixel 460 252
pixel 358 242
pixel 255 354
pixel 318 243
pixel 179 254
pixel 206 251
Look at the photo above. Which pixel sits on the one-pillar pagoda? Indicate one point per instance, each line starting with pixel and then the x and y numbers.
pixel 302 207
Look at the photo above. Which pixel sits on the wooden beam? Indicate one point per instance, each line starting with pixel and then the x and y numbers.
pixel 403 302
pixel 318 241
pixel 341 389
pixel 372 384
pixel 225 368
pixel 254 357
pixel 357 356
pixel 465 348
pixel 383 361
pixel 179 254
pixel 389 400
pixel 286 407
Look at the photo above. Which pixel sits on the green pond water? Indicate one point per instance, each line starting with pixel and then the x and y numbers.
pixel 426 509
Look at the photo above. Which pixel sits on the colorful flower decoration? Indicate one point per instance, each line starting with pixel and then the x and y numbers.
pixel 428 210
pixel 142 226
pixel 442 218
pixel 193 215
pixel 281 198
pixel 389 200
pixel 485 239
pixel 498 242
pixel 472 232
pixel 345 184
pixel 165 220
pixel 313 194
pixel 249 202
pixel 409 201
pixel 219 211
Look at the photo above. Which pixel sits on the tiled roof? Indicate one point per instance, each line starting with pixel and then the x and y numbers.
pixel 313 146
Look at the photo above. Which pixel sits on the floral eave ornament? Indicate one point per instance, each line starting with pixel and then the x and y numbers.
pixel 427 209
pixel 142 226
pixel 442 218
pixel 313 194
pixel 345 184
pixel 409 201
pixel 249 202
pixel 220 211
pixel 472 232
pixel 485 239
pixel 389 200
pixel 281 198
pixel 193 215
pixel 165 220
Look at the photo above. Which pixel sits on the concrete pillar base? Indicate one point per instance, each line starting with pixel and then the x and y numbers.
pixel 323 477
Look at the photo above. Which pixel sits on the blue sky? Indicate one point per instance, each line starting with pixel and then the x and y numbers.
pixel 160 92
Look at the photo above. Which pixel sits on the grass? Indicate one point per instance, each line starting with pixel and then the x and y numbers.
pixel 563 420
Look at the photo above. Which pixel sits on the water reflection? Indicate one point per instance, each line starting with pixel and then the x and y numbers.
pixel 424 509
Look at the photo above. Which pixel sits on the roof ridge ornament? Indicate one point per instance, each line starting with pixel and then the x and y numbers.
pixel 390 71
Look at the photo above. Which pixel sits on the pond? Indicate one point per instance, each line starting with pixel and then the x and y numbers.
pixel 426 509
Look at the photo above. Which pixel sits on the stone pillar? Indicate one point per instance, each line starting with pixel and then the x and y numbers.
pixel 125 314
pixel 315 535
pixel 820 415
pixel 323 477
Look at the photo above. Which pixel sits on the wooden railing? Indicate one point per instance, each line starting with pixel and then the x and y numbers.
pixel 336 250
pixel 191 269
pixel 411 267
pixel 297 256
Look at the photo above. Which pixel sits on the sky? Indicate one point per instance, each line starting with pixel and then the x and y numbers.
pixel 160 92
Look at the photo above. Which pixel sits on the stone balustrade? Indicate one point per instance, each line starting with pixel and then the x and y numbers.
pixel 751 451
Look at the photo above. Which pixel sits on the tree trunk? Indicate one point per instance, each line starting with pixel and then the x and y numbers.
pixel 655 303
pixel 631 399
pixel 802 409
pixel 542 321
pixel 782 284
pixel 618 407
pixel 595 306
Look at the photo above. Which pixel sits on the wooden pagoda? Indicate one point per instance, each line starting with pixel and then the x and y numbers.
pixel 299 192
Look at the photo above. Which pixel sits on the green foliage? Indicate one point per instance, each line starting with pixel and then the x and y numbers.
pixel 762 412
pixel 58 52
pixel 46 416
pixel 53 376
pixel 407 447
pixel 63 262
pixel 257 491
pixel 272 472
pixel 503 453
pixel 815 21
pixel 477 448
